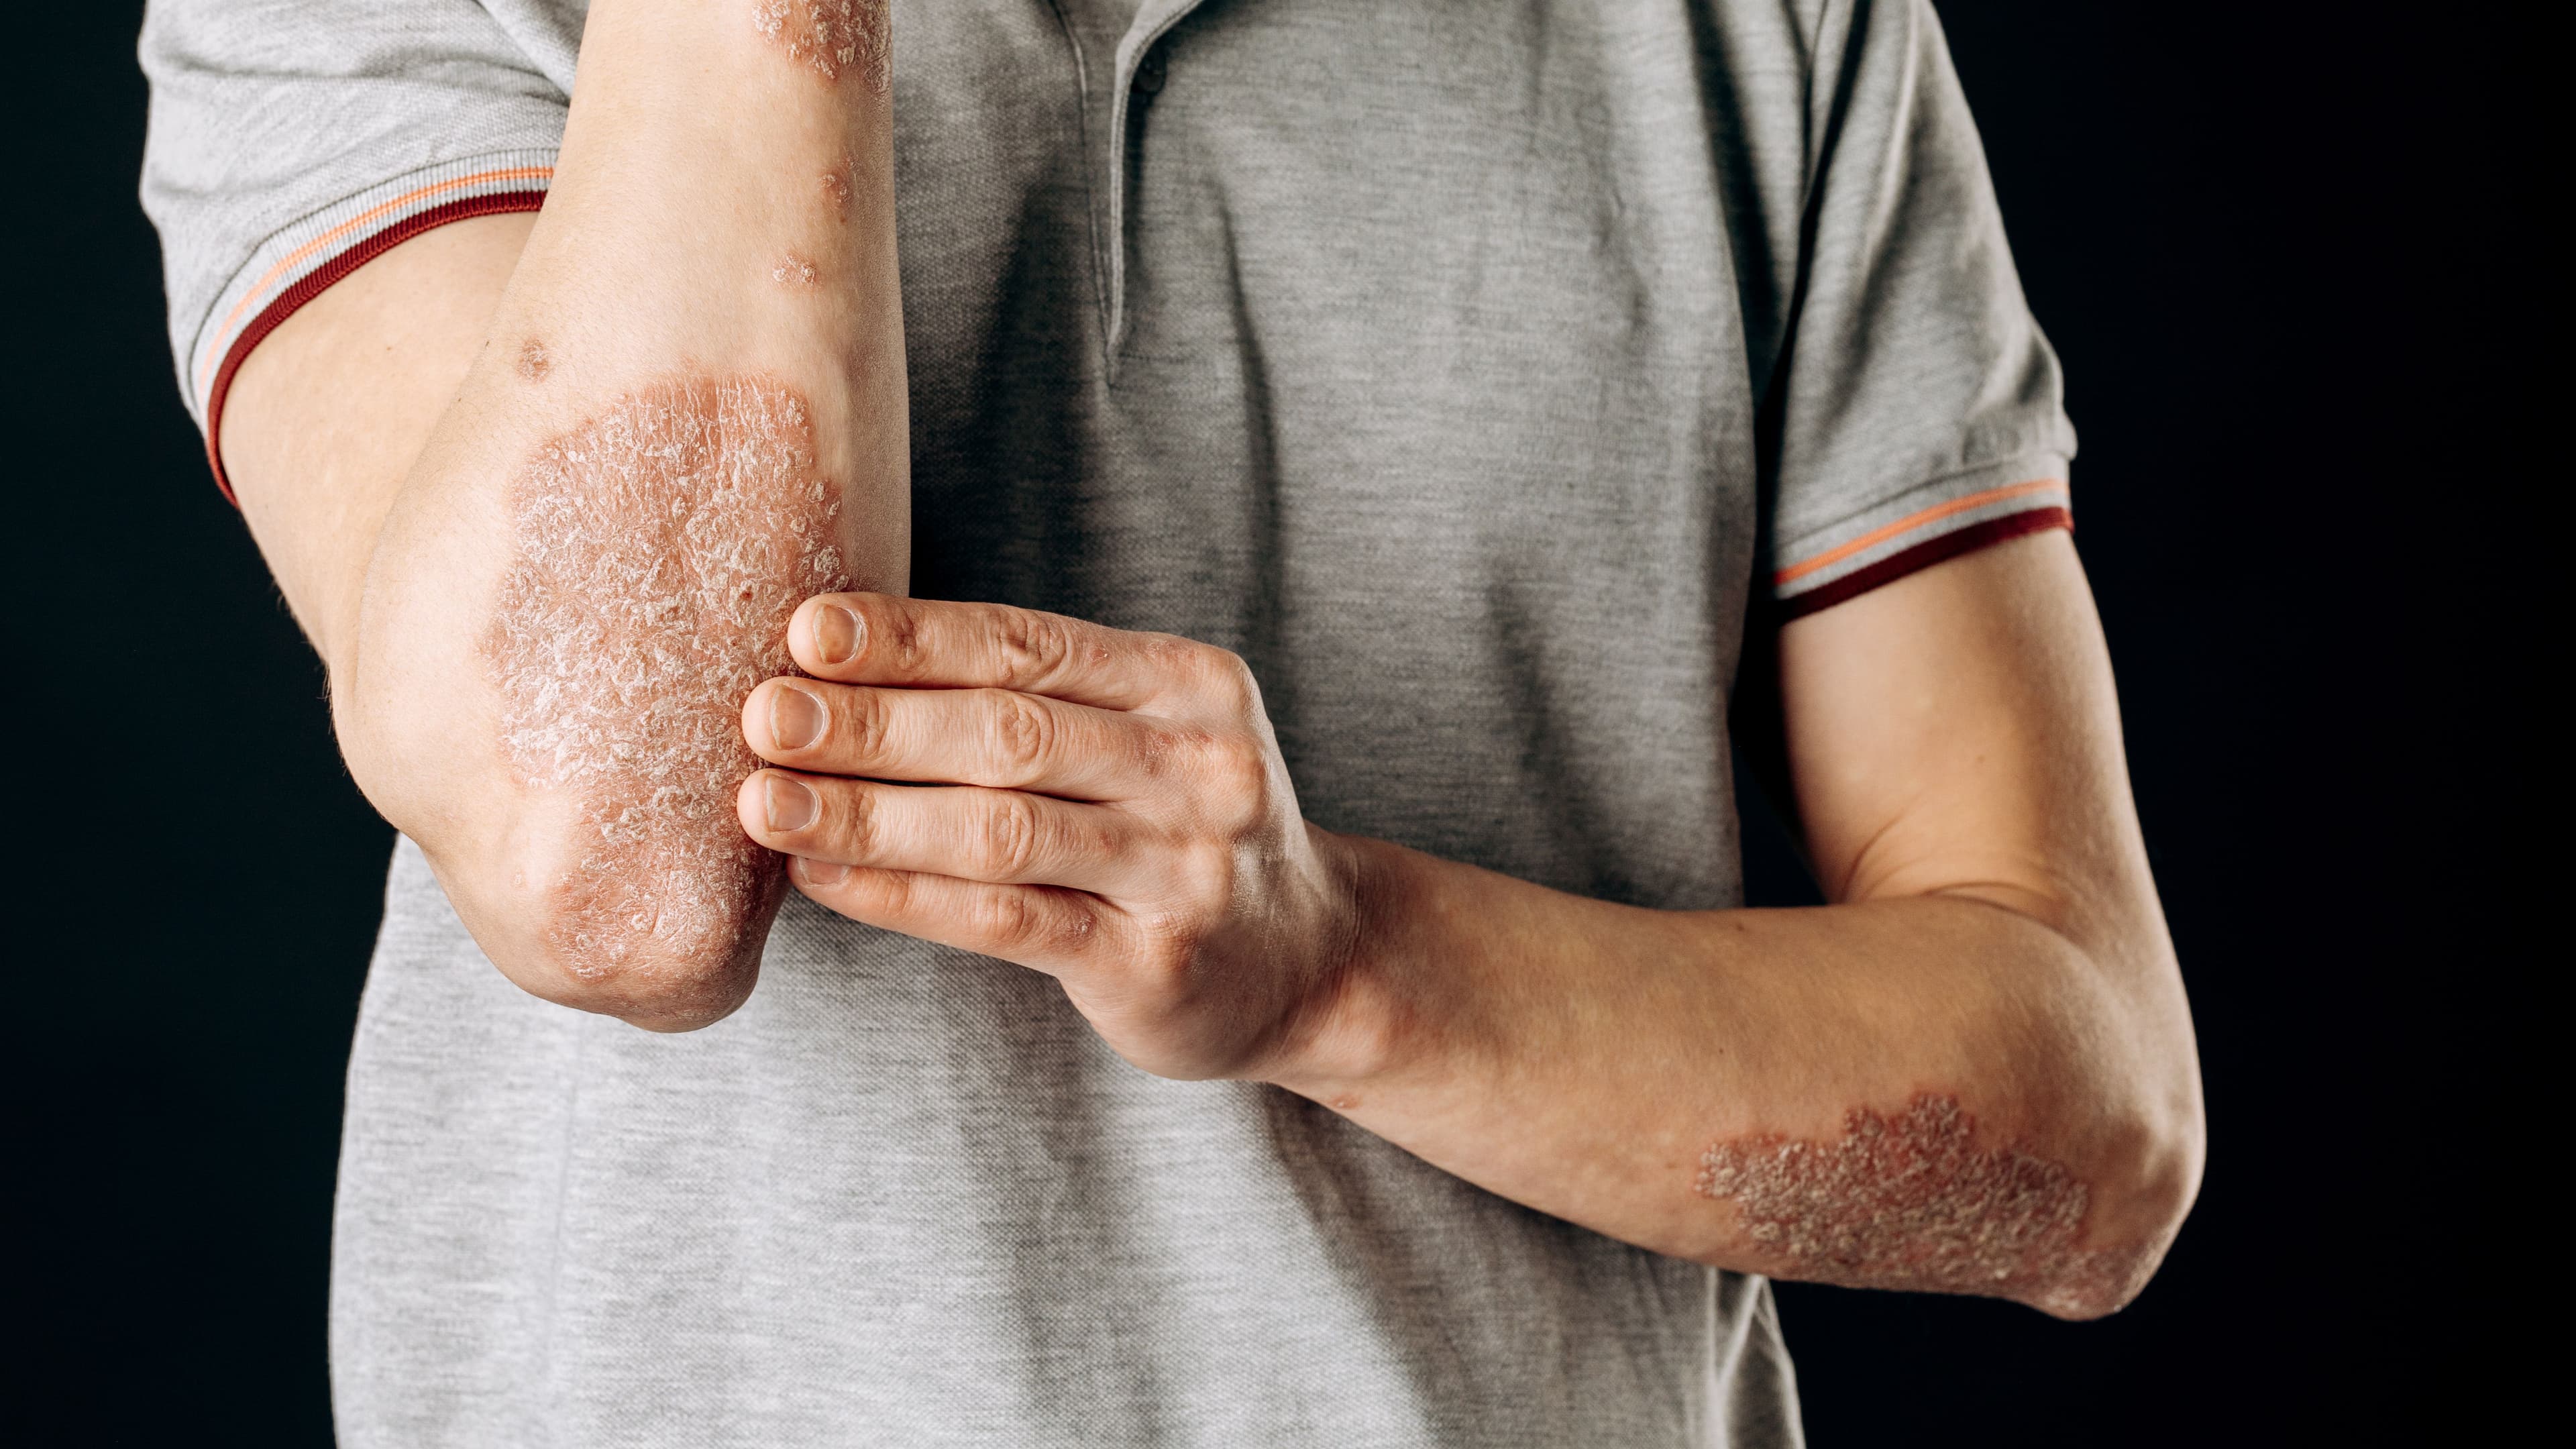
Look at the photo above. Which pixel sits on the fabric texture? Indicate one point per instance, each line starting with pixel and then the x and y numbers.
pixel 1474 369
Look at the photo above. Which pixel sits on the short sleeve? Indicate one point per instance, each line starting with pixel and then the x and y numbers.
pixel 1918 410
pixel 291 141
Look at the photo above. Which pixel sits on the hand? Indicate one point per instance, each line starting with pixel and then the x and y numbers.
pixel 1107 807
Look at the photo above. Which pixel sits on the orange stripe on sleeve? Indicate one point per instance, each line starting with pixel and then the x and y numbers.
pixel 214 350
pixel 1908 523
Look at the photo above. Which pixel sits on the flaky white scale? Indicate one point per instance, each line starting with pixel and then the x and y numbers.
pixel 1914 1202
pixel 829 36
pixel 659 551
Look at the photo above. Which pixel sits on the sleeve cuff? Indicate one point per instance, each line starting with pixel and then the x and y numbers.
pixel 294 266
pixel 1940 520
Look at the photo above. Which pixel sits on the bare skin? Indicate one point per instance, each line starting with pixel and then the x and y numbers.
pixel 543 600
pixel 1119 817
pixel 1973 1072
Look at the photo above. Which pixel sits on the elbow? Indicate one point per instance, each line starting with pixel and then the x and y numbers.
pixel 653 914
pixel 569 767
pixel 670 954
pixel 2129 1118
pixel 642 975
pixel 2139 1192
pixel 662 930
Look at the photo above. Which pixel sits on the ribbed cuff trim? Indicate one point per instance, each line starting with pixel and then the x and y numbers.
pixel 296 265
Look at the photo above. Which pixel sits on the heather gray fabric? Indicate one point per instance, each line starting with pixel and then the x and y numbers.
pixel 1464 365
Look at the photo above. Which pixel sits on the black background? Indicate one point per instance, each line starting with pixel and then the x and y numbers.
pixel 2279 250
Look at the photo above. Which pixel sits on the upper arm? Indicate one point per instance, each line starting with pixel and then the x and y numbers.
pixel 328 412
pixel 1956 732
pixel 307 165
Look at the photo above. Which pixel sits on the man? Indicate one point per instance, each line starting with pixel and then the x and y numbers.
pixel 1268 969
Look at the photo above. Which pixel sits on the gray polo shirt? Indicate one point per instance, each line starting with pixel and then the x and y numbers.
pixel 1476 368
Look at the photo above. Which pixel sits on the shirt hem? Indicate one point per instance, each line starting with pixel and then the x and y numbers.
pixel 1870 542
pixel 1922 556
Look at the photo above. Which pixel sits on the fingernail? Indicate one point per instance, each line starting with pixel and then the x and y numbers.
pixel 795 717
pixel 790 805
pixel 821 872
pixel 836 634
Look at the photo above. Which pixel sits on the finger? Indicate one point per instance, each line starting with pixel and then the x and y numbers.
pixel 934 644
pixel 1045 928
pixel 997 738
pixel 1006 837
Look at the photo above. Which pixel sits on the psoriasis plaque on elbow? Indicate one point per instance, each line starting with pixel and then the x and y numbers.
pixel 830 36
pixel 1912 1202
pixel 658 552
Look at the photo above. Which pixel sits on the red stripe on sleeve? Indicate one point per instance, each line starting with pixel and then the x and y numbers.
pixel 313 283
pixel 1921 556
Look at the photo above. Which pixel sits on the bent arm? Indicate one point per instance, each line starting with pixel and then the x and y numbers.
pixel 330 411
pixel 544 492
pixel 1974 1072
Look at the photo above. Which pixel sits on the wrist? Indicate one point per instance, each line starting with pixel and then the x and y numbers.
pixel 1367 1019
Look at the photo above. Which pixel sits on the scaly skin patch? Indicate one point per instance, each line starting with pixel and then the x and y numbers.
pixel 659 550
pixel 830 36
pixel 1914 1203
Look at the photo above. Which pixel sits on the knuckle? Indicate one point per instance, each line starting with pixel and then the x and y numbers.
pixel 1007 837
pixel 1238 772
pixel 1019 735
pixel 1227 680
pixel 1168 658
pixel 1158 749
pixel 1031 645
pixel 851 824
pixel 883 897
pixel 1001 917
pixel 1022 919
pixel 893 634
pixel 864 721
pixel 1169 943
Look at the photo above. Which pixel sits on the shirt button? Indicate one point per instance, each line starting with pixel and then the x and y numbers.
pixel 1150 76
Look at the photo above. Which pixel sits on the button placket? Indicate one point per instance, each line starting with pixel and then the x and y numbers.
pixel 1143 69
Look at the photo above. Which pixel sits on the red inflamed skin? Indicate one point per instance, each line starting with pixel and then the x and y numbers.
pixel 1915 1201
pixel 658 552
pixel 602 526
pixel 545 491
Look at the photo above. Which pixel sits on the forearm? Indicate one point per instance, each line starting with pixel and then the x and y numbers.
pixel 1640 1071
pixel 332 412
pixel 1977 1075
pixel 683 414
pixel 721 215
pixel 1974 1073
pixel 722 208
